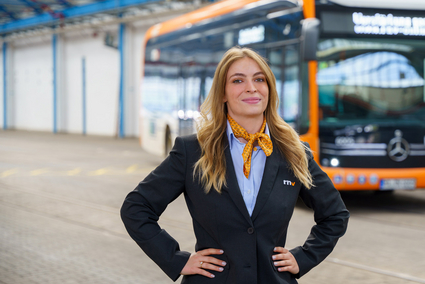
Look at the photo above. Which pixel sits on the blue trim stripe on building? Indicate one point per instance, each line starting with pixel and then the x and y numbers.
pixel 4 85
pixel 73 12
pixel 121 98
pixel 84 95
pixel 55 78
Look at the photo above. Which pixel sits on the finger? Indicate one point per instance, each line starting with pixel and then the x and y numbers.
pixel 280 250
pixel 210 266
pixel 284 268
pixel 282 263
pixel 205 273
pixel 213 260
pixel 287 256
pixel 282 256
pixel 210 251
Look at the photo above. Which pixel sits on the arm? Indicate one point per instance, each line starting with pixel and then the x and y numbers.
pixel 331 219
pixel 143 206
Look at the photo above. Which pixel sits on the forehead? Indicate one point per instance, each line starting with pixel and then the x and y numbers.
pixel 244 65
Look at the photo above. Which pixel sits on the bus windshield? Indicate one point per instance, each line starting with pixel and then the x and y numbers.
pixel 371 80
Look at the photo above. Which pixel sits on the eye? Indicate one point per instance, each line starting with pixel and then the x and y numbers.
pixel 237 81
pixel 260 79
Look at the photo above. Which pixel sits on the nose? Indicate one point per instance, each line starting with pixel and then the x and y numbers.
pixel 250 88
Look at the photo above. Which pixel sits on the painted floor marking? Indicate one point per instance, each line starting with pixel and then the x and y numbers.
pixel 8 173
pixel 132 168
pixel 99 172
pixel 78 171
pixel 73 172
pixel 39 172
pixel 375 270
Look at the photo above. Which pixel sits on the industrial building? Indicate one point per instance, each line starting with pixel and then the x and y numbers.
pixel 74 66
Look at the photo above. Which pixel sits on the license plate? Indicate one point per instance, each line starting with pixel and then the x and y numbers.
pixel 389 184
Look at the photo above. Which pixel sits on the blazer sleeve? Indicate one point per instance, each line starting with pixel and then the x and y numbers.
pixel 144 205
pixel 330 215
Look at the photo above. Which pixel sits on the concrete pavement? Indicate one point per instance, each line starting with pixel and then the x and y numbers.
pixel 59 219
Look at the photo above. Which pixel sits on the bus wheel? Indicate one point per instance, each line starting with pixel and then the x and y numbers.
pixel 167 141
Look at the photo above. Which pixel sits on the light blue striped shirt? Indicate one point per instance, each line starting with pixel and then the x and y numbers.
pixel 251 186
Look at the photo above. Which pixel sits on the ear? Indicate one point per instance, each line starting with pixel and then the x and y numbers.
pixel 224 98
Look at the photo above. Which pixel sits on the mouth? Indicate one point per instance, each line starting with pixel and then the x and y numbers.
pixel 252 100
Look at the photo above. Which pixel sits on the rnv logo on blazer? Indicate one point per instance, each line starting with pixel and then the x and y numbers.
pixel 288 182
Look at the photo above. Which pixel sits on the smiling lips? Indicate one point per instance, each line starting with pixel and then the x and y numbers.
pixel 252 100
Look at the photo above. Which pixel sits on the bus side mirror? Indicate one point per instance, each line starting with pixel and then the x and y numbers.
pixel 309 38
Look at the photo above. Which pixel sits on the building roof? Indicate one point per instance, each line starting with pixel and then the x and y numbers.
pixel 23 15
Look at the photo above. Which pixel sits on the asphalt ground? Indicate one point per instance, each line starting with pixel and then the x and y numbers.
pixel 60 197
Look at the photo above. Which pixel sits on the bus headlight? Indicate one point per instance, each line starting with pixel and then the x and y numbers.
pixel 334 162
pixel 180 113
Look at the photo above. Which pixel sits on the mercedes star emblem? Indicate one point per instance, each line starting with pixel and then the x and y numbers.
pixel 398 149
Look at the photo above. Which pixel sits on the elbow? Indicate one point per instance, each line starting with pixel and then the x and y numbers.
pixel 335 226
pixel 342 220
pixel 125 213
pixel 130 210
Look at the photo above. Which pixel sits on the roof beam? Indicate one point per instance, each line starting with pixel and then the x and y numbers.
pixel 65 3
pixel 46 8
pixel 10 14
pixel 70 13
pixel 33 6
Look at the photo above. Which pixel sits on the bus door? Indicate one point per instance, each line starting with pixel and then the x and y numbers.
pixel 190 90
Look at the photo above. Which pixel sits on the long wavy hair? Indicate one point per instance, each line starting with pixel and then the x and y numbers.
pixel 211 167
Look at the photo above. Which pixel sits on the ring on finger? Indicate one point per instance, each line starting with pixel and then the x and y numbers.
pixel 202 263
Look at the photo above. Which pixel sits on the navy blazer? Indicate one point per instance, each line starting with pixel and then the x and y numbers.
pixel 222 220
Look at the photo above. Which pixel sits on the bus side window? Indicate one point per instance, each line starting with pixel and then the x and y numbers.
pixel 292 100
pixel 284 62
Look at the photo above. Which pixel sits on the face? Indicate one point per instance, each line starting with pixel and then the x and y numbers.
pixel 246 91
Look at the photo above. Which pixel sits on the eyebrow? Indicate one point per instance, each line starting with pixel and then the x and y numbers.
pixel 243 75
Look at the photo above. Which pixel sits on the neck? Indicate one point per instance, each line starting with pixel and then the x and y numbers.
pixel 252 125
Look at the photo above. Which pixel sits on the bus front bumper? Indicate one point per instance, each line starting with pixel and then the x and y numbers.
pixel 376 179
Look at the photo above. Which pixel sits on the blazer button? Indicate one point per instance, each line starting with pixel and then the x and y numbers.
pixel 250 230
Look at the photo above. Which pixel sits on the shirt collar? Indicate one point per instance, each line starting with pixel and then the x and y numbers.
pixel 231 137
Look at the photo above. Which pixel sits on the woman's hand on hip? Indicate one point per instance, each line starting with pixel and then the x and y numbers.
pixel 202 260
pixel 285 261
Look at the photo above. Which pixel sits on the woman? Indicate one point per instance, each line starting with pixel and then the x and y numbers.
pixel 241 176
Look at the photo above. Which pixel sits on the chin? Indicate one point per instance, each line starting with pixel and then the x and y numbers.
pixel 253 114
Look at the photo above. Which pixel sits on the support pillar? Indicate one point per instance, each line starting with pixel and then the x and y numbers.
pixel 4 85
pixel 122 80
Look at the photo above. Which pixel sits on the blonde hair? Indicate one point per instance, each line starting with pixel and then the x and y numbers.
pixel 211 167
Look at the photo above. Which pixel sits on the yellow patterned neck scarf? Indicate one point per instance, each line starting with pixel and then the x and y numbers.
pixel 264 142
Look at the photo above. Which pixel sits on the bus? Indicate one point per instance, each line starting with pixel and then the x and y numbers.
pixel 350 80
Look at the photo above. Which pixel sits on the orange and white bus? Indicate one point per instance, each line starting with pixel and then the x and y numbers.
pixel 350 80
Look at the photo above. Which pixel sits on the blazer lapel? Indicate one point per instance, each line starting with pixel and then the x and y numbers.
pixel 233 186
pixel 270 171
